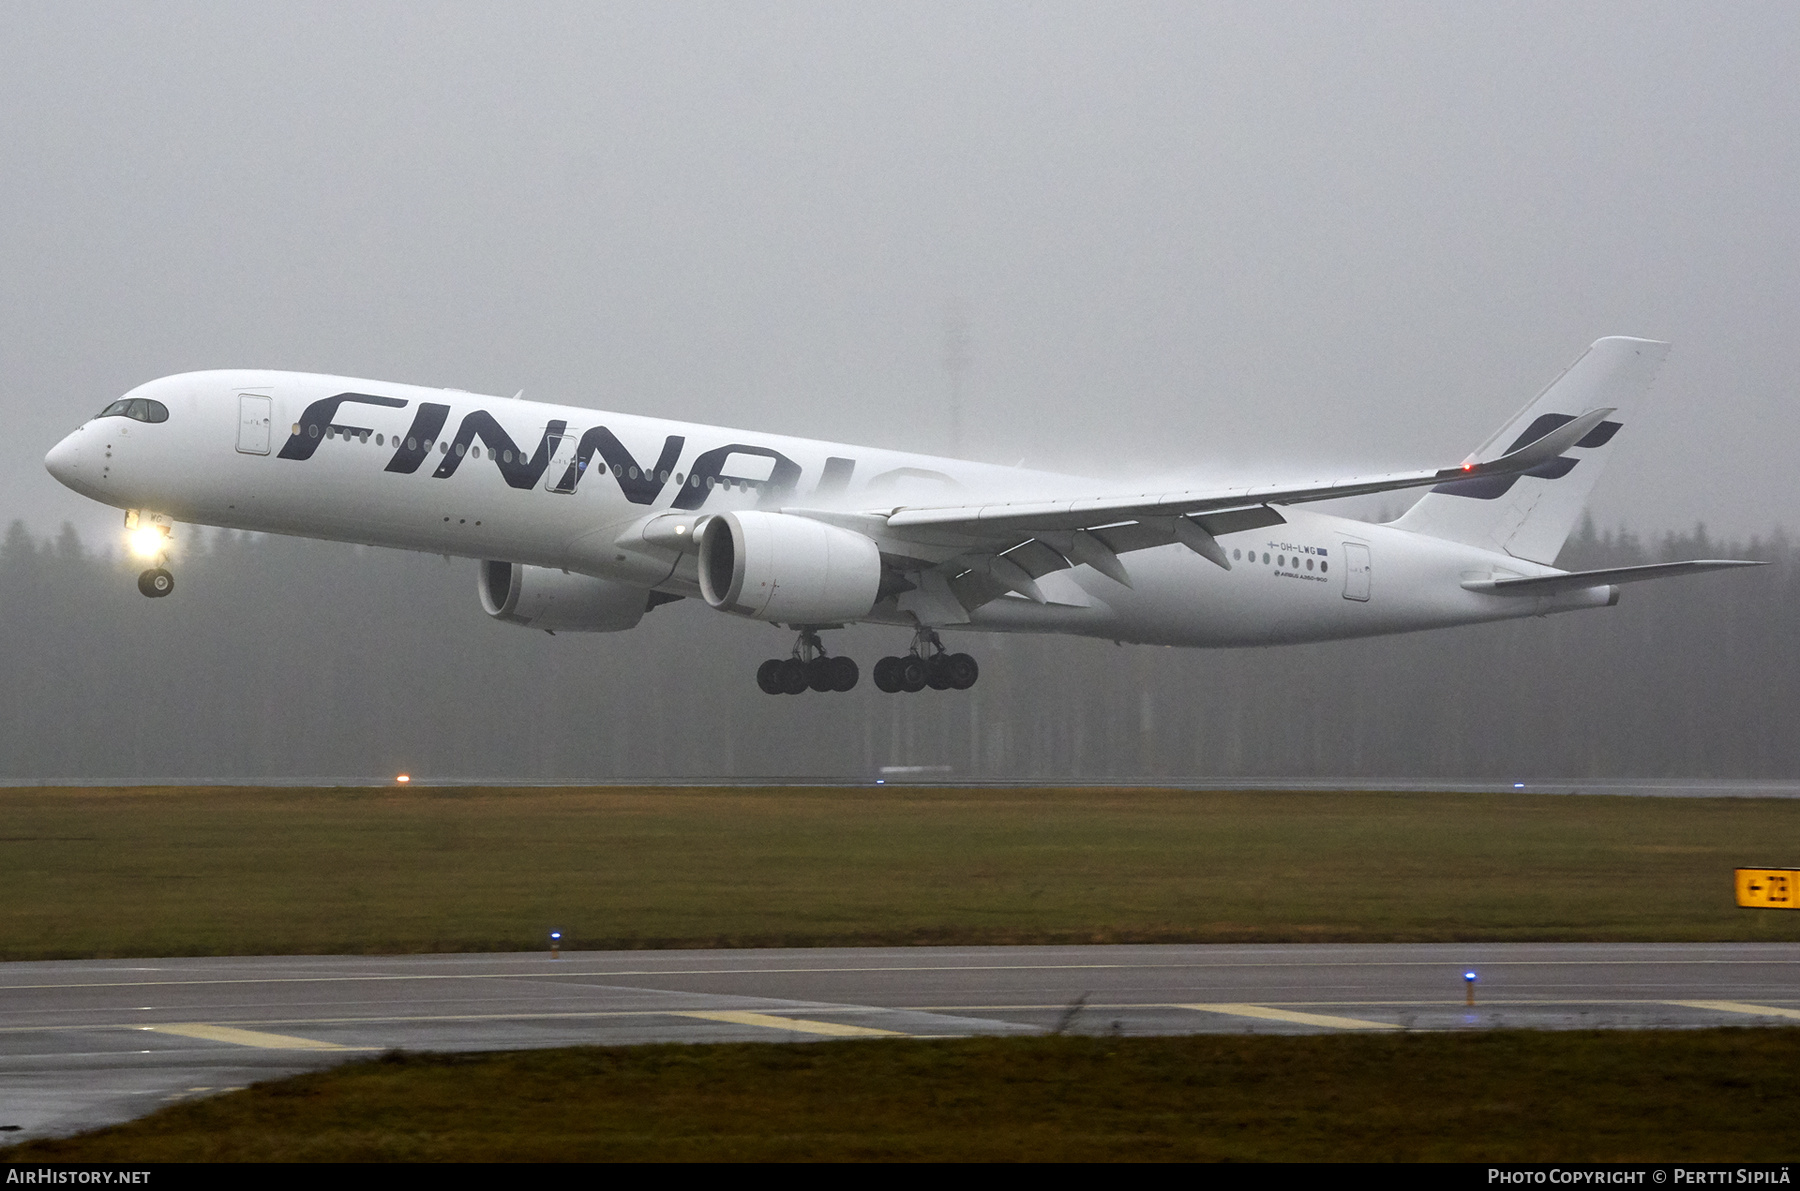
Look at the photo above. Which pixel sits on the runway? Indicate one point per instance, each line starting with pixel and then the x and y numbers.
pixel 92 1042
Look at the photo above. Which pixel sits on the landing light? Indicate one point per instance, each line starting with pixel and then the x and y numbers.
pixel 403 778
pixel 147 542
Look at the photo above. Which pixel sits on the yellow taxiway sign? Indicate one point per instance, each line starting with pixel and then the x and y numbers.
pixel 1769 888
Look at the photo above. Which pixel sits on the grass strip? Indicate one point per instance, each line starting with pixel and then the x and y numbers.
pixel 1718 1095
pixel 216 871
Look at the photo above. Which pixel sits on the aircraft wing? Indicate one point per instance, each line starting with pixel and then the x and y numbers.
pixel 1006 546
pixel 1081 514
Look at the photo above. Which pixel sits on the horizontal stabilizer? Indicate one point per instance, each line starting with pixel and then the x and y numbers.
pixel 1580 580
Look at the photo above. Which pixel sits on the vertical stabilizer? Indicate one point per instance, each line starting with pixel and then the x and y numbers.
pixel 1529 515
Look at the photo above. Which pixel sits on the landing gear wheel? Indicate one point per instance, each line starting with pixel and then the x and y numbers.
pixel 912 673
pixel 961 671
pixel 937 673
pixel 156 583
pixel 887 676
pixel 808 668
pixel 793 677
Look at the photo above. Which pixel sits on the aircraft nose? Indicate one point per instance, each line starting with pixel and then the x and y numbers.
pixel 64 459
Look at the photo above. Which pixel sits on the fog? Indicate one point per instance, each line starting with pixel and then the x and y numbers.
pixel 285 659
pixel 1244 242
pixel 1180 237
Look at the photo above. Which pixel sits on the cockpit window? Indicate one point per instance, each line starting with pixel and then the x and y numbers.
pixel 140 409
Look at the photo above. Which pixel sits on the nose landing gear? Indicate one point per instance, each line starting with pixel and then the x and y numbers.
pixel 808 669
pixel 150 534
pixel 926 665
pixel 156 582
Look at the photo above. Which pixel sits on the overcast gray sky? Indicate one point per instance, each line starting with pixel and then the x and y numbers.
pixel 1221 239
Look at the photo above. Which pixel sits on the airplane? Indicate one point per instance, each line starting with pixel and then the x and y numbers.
pixel 586 521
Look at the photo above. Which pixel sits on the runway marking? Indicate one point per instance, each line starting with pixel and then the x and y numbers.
pixel 1009 1007
pixel 1289 1015
pixel 404 1019
pixel 249 1037
pixel 1739 1007
pixel 798 1025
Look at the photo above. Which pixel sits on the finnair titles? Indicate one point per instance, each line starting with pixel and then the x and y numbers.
pixel 586 521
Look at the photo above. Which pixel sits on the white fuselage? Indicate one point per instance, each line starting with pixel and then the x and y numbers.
pixel 569 488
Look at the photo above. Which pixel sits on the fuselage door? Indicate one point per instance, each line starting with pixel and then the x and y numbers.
pixel 1356 571
pixel 253 423
pixel 560 474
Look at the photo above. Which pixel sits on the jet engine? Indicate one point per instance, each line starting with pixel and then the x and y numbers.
pixel 546 598
pixel 787 569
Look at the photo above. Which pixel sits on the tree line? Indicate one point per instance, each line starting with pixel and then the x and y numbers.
pixel 280 658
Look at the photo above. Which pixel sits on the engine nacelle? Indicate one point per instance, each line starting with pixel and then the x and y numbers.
pixel 546 598
pixel 787 569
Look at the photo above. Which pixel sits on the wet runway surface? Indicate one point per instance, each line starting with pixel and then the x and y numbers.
pixel 87 1043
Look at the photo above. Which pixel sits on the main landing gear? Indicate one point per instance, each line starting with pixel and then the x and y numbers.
pixel 808 669
pixel 927 665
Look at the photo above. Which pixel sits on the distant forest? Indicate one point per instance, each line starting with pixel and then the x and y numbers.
pixel 282 658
